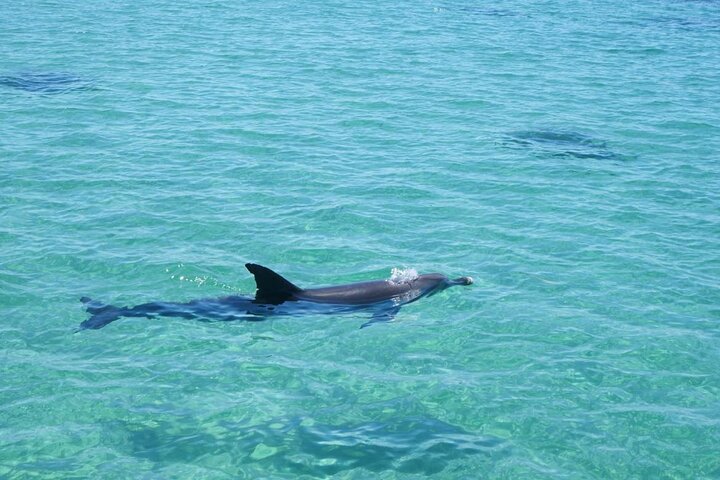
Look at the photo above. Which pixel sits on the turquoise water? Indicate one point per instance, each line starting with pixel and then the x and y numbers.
pixel 564 154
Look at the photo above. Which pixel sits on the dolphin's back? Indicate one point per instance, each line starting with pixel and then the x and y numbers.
pixel 274 288
pixel 361 293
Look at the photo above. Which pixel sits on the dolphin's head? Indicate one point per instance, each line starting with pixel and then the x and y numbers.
pixel 431 283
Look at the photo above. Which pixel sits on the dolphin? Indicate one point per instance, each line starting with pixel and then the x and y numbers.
pixel 48 83
pixel 276 295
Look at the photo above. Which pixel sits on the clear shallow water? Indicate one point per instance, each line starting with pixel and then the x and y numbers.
pixel 564 155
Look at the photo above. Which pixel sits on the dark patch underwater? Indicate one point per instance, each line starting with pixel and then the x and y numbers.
pixel 45 83
pixel 416 445
pixel 562 144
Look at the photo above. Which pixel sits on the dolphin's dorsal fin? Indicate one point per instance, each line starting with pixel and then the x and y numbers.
pixel 270 285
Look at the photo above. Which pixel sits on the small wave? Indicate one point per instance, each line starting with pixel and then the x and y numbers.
pixel 403 275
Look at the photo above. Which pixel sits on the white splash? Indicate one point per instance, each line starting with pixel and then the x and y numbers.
pixel 403 275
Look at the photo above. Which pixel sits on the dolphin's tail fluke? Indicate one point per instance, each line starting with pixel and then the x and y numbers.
pixel 101 314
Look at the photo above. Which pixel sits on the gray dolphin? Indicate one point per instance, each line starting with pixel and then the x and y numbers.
pixel 45 83
pixel 277 296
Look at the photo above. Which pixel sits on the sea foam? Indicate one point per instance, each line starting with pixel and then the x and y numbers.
pixel 403 275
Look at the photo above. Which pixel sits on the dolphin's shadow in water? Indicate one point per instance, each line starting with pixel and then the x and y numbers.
pixel 419 445
pixel 412 445
pixel 562 144
pixel 46 82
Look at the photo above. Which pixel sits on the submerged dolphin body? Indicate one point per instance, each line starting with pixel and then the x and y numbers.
pixel 277 296
pixel 45 83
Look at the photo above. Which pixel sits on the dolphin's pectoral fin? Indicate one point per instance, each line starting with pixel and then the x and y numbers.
pixel 382 316
pixel 271 287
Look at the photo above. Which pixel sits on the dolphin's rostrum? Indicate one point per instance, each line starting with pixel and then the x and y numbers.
pixel 277 296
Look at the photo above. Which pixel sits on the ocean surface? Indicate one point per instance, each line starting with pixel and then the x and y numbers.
pixel 564 154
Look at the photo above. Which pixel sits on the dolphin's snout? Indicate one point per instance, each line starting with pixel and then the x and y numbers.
pixel 463 281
